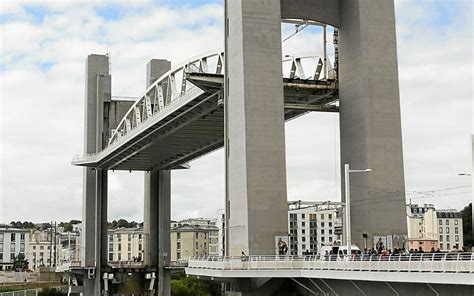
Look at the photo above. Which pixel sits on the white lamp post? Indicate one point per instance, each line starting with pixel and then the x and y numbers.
pixel 347 170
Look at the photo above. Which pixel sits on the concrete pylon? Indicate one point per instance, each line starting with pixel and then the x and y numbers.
pixel 370 119
pixel 94 207
pixel 157 205
pixel 254 128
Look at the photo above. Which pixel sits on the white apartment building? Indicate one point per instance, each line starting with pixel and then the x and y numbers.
pixel 311 228
pixel 220 223
pixel 427 223
pixel 12 242
pixel 449 229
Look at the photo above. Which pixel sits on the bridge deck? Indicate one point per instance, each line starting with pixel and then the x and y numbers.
pixel 193 125
pixel 436 269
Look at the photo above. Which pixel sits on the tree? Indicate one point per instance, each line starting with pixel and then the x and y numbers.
pixel 467 226
pixel 20 263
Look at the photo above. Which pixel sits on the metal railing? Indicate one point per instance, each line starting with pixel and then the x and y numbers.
pixel 31 292
pixel 424 262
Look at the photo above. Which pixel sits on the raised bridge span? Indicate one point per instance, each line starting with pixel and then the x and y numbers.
pixel 180 116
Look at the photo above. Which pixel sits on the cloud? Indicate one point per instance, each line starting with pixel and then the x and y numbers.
pixel 43 48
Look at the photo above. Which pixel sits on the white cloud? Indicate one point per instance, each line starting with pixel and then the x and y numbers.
pixel 42 93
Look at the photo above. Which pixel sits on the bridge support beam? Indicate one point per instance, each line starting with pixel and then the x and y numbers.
pixel 254 128
pixel 94 207
pixel 157 212
pixel 370 118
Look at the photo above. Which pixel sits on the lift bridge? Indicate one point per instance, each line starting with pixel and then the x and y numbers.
pixel 239 98
pixel 180 117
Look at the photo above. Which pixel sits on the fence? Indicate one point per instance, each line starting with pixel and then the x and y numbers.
pixel 429 262
pixel 31 292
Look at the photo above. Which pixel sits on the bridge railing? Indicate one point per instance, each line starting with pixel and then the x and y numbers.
pixel 424 262
pixel 173 87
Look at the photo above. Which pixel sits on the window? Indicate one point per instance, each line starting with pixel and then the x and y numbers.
pixel 330 216
pixel 303 246
pixel 1 237
pixel 22 247
pixel 303 239
pixel 197 245
pixel 322 224
pixel 12 257
pixel 119 238
pixel 447 238
pixel 197 234
pixel 441 230
pixel 178 255
pixel 139 247
pixel 111 237
pixel 330 238
pixel 456 238
pixel 330 224
pixel 448 246
pixel 12 247
pixel 111 247
pixel 178 235
pixel 322 239
pixel 303 231
pixel 302 216
pixel 330 231
pixel 119 256
pixel 129 237
pixel 34 247
pixel 312 217
pixel 178 245
pixel 111 256
pixel 1 257
pixel 440 238
pixel 456 230
pixel 129 255
pixel 205 246
pixel 119 247
pixel 1 248
pixel 440 222
pixel 322 216
pixel 322 231
pixel 441 246
pixel 129 247
pixel 22 237
pixel 12 237
pixel 447 222
pixel 447 229
pixel 302 224
pixel 456 222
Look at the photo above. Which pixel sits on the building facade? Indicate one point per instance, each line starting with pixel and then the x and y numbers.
pixel 126 244
pixel 13 242
pixel 194 237
pixel 311 228
pixel 426 224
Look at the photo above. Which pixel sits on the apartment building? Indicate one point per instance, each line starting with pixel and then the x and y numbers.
pixel 194 237
pixel 126 244
pixel 441 228
pixel 311 228
pixel 13 241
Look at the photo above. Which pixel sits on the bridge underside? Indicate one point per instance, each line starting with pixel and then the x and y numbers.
pixel 194 126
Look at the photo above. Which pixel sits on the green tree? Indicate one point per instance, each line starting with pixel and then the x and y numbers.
pixel 47 291
pixel 20 263
pixel 191 286
pixel 467 226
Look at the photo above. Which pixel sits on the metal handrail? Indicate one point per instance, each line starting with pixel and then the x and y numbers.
pixel 424 262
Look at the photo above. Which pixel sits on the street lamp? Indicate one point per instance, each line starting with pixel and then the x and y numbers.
pixel 347 171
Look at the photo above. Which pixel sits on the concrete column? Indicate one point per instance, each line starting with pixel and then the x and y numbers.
pixel 157 216
pixel 255 133
pixel 370 118
pixel 94 206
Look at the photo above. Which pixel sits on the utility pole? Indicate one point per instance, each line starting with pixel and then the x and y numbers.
pixel 55 244
pixel 50 243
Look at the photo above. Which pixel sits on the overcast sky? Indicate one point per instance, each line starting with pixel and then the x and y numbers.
pixel 43 49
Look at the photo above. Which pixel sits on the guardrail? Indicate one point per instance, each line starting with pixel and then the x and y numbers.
pixel 424 262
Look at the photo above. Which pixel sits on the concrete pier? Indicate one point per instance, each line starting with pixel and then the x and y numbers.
pixel 94 207
pixel 157 205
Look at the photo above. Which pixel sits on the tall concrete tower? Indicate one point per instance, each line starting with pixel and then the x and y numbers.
pixel 369 117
